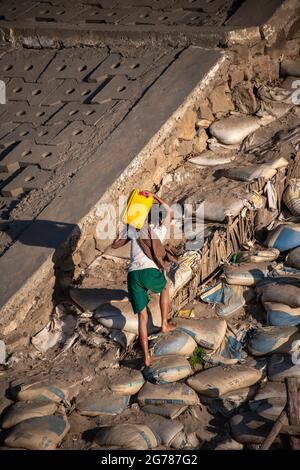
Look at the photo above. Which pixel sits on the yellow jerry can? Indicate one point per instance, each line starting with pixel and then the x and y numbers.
pixel 137 209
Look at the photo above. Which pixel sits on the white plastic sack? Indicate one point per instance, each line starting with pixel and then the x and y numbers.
pixel 103 402
pixel 174 394
pixel 44 433
pixel 210 158
pixel 56 332
pixel 281 314
pixel 258 255
pixel 245 274
pixel 234 129
pixel 217 381
pixel 251 172
pixel 207 332
pixel 291 196
pixel 128 382
pixel 184 272
pixel 23 410
pixel 167 369
pixel 175 342
pixel 232 301
pixel 128 436
pixel 120 316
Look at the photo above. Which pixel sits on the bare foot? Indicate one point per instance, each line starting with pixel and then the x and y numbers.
pixel 168 327
pixel 148 360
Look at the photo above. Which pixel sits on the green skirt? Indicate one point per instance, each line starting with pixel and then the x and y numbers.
pixel 140 282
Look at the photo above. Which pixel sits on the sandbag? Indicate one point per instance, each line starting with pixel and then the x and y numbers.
pixel 128 436
pixel 175 342
pixel 270 400
pixel 258 255
pixel 128 382
pixel 173 394
pixel 166 410
pixel 284 237
pixel 210 158
pixel 245 274
pixel 43 390
pixel 166 369
pixel 293 258
pixel 183 272
pixel 234 129
pixel 251 172
pixel 232 301
pixel 207 332
pixel 23 410
pixel 103 402
pixel 281 314
pixel 249 427
pixel 290 67
pixel 120 316
pixel 123 338
pixel 44 433
pixel 167 429
pixel 282 366
pixel 91 298
pixel 218 210
pixel 291 196
pixel 217 381
pixel 268 339
pixel 282 293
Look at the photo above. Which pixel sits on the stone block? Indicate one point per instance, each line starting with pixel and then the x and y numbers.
pixel 118 88
pixel 89 114
pixel 25 63
pixel 115 64
pixel 30 178
pixel 220 100
pixel 244 98
pixel 33 93
pixel 75 132
pixel 235 76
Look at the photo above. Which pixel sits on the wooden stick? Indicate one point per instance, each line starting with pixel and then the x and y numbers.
pixel 282 420
pixel 293 408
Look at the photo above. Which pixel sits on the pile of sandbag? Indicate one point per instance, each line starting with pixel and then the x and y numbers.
pixel 37 421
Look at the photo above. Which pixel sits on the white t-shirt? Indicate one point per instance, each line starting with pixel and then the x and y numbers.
pixel 138 259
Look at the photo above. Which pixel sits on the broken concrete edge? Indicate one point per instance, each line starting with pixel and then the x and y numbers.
pixel 281 21
pixel 18 297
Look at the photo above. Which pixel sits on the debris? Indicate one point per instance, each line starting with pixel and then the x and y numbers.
pixel 44 433
pixel 217 381
pixel 129 436
pixel 60 328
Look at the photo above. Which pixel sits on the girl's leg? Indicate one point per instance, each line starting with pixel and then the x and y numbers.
pixel 143 336
pixel 164 302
